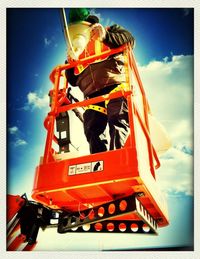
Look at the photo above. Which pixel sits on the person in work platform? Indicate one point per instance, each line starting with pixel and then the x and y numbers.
pixel 101 77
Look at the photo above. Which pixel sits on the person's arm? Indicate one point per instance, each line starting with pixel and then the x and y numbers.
pixel 117 36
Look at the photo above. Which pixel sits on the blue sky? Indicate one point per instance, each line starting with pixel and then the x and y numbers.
pixel 164 53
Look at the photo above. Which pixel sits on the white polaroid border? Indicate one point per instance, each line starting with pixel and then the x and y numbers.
pixel 99 3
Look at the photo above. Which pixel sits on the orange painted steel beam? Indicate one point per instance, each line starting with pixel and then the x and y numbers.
pixel 86 60
pixel 14 204
pixel 20 239
pixel 29 247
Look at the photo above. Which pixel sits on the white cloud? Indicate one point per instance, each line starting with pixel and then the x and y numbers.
pixel 94 12
pixel 105 22
pixel 47 41
pixel 182 132
pixel 13 130
pixel 20 142
pixel 176 172
pixel 36 101
pixel 50 41
pixel 169 88
pixel 17 140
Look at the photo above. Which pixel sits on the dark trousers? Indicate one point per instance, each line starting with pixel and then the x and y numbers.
pixel 95 123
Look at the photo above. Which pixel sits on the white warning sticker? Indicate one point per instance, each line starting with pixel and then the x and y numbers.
pixel 72 170
pixel 85 168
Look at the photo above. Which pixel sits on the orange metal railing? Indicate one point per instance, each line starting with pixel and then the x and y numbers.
pixel 56 107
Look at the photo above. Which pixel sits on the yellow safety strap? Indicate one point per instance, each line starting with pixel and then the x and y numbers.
pixel 80 68
pixel 96 108
pixel 98 47
pixel 121 87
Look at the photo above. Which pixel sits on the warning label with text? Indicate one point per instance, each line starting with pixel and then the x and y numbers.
pixel 85 168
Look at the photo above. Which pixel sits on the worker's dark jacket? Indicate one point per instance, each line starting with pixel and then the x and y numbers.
pixel 107 72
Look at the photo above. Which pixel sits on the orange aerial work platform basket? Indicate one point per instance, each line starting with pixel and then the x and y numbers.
pixel 113 191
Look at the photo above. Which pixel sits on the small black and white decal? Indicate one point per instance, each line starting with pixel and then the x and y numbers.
pixel 86 168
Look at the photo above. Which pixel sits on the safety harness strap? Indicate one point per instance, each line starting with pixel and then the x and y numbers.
pixel 121 87
pixel 96 108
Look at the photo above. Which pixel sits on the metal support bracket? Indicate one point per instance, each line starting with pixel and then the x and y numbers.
pixel 103 218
